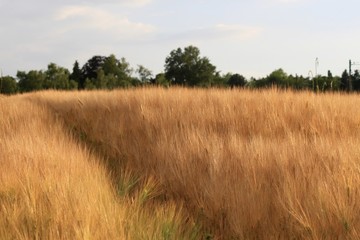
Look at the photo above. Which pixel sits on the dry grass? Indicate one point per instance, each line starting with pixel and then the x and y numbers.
pixel 52 187
pixel 244 164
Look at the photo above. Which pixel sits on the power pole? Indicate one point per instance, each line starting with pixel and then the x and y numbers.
pixel 316 85
pixel 349 85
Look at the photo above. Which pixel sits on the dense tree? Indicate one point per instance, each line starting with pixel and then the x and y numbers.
pixel 332 82
pixel 182 67
pixel 106 72
pixel 101 80
pixel 278 77
pixel 186 67
pixel 258 83
pixel 160 80
pixel 90 69
pixel 237 80
pixel 118 72
pixel 112 66
pixel 298 82
pixel 57 78
pixel 31 81
pixel 356 80
pixel 8 85
pixel 221 80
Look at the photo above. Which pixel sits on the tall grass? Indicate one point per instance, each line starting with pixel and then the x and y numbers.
pixel 53 187
pixel 236 163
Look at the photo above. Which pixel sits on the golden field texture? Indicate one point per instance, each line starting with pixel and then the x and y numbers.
pixel 53 187
pixel 180 164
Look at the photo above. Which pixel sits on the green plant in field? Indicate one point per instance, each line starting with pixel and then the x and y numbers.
pixel 126 185
pixel 149 191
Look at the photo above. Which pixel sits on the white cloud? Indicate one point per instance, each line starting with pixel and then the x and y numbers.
pixel 85 17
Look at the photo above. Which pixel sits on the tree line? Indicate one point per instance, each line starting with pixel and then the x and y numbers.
pixel 184 67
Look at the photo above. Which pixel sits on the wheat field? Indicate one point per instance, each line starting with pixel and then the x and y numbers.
pixel 178 163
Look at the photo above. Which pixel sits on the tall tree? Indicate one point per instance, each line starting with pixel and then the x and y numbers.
pixel 76 73
pixel 90 69
pixel 344 80
pixel 186 67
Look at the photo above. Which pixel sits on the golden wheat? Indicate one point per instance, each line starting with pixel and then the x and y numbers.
pixel 244 164
pixel 52 187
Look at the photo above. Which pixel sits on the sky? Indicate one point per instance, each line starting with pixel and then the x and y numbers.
pixel 249 37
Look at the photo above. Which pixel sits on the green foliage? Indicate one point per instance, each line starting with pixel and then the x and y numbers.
pixel 182 67
pixel 237 80
pixel 89 85
pixel 344 80
pixel 161 80
pixel 356 80
pixel 145 74
pixel 186 67
pixel 221 80
pixel 258 83
pixel 105 73
pixel 90 69
pixel 73 85
pixel 76 74
pixel 298 82
pixel 278 78
pixel 31 81
pixel 126 184
pixel 8 85
pixel 56 77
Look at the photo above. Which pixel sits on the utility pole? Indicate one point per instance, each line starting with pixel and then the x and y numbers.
pixel 349 85
pixel 315 85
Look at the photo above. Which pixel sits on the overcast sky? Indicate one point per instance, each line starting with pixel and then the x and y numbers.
pixel 250 37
